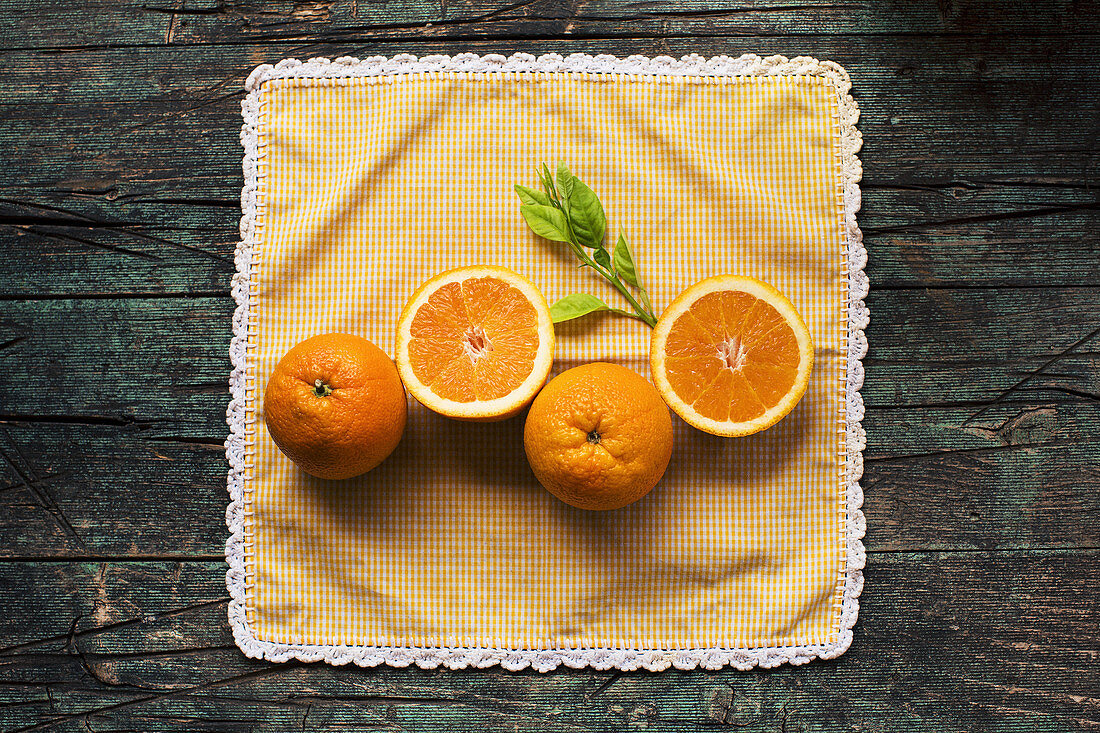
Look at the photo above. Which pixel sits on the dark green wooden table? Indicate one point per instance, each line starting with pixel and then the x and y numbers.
pixel 118 214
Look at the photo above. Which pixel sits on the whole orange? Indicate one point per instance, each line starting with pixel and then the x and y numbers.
pixel 598 436
pixel 335 405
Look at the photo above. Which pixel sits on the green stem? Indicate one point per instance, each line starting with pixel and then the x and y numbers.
pixel 644 314
pixel 628 314
pixel 645 297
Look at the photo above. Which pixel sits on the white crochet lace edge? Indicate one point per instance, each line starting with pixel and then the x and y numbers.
pixel 455 657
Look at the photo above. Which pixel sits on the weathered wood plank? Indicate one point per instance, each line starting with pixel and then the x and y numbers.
pixel 982 423
pixel 56 24
pixel 79 490
pixel 169 356
pixel 1022 476
pixel 1002 198
pixel 932 480
pixel 145 646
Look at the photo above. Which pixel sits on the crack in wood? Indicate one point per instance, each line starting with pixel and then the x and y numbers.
pixel 132 229
pixel 46 207
pixel 217 444
pixel 1035 373
pixel 15 220
pixel 218 9
pixel 236 679
pixel 965 286
pixel 1069 391
pixel 95 630
pixel 604 686
pixel 113 559
pixel 170 32
pixel 176 113
pixel 30 479
pixel 12 342
pixel 42 479
pixel 1026 214
pixel 169 295
pixel 60 237
pixel 119 421
pixel 188 201
pixel 972 185
pixel 869 459
pixel 339 39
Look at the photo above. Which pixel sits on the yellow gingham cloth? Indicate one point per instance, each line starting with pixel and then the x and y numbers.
pixel 371 185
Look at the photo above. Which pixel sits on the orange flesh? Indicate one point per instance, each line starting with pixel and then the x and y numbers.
pixel 731 356
pixel 474 340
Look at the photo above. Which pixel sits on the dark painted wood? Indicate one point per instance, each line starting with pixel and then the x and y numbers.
pixel 948 641
pixel 978 155
pixel 58 25
pixel 118 220
pixel 1002 409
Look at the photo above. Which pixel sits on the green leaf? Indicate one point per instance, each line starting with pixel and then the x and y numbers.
pixel 603 258
pixel 569 211
pixel 575 306
pixel 546 221
pixel 624 262
pixel 565 181
pixel 586 215
pixel 531 196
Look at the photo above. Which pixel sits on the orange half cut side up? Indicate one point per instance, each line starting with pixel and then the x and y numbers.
pixel 731 355
pixel 475 343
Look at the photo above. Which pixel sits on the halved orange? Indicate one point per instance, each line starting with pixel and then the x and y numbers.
pixel 475 343
pixel 731 355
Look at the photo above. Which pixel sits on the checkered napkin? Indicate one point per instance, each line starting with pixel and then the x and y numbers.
pixel 365 183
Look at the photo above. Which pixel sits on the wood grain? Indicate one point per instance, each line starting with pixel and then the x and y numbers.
pixel 144 646
pixel 118 222
pixel 1025 476
pixel 57 25
pixel 985 182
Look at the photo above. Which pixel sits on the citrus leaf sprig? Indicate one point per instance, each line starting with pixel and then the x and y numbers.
pixel 567 210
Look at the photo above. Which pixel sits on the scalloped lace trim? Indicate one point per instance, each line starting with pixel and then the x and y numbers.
pixel 241 436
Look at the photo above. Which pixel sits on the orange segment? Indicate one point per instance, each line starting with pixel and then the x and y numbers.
pixel 476 342
pixel 473 340
pixel 691 375
pixel 731 355
pixel 769 382
pixel 778 346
